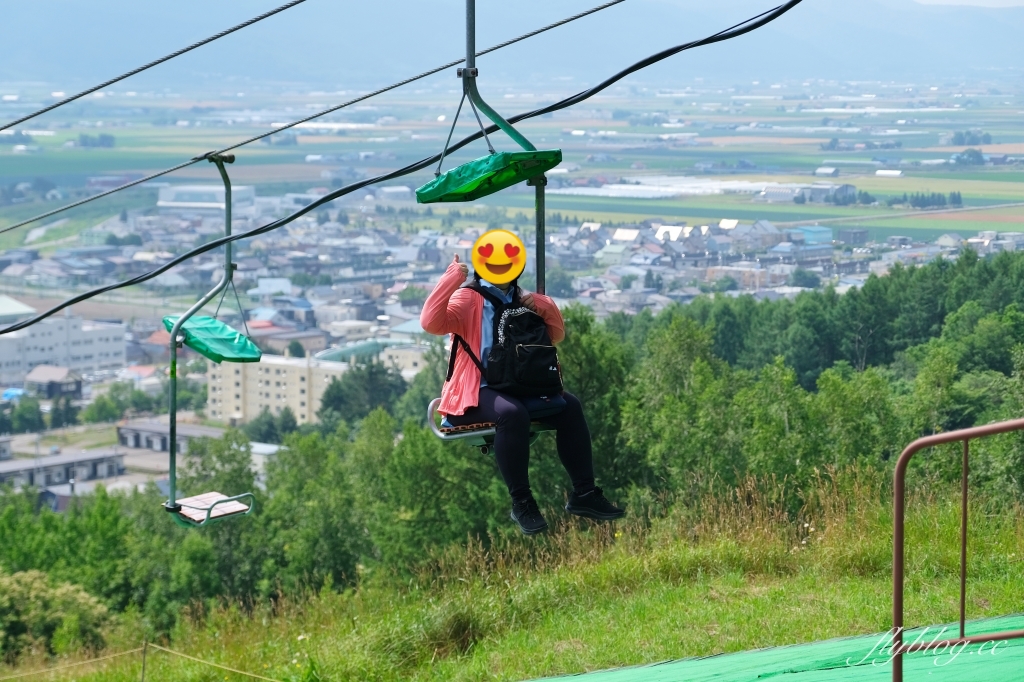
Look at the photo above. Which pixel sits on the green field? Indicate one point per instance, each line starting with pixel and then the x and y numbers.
pixel 620 141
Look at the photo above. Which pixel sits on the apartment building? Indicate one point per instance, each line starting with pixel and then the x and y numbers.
pixel 238 392
pixel 80 345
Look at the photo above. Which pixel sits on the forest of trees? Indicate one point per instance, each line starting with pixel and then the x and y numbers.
pixel 702 394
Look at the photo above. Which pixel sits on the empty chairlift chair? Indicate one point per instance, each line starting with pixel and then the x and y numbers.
pixel 217 342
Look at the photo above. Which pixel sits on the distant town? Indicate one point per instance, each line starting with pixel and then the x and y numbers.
pixel 764 190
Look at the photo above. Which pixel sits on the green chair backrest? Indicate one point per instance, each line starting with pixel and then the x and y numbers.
pixel 487 175
pixel 215 340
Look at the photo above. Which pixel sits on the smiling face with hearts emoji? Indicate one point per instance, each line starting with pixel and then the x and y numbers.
pixel 499 256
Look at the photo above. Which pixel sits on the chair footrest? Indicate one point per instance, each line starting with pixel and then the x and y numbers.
pixel 195 508
pixel 468 427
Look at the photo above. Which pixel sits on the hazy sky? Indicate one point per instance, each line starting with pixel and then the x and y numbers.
pixel 976 3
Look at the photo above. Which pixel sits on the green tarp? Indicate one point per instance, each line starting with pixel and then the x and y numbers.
pixel 851 659
pixel 488 175
pixel 215 340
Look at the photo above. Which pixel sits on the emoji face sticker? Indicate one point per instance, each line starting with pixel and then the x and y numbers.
pixel 499 256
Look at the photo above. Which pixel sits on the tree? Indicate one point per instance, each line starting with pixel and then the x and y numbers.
pixel 804 278
pixel 863 319
pixel 286 422
pixel 726 284
pixel 62 618
pixel 127 397
pixel 362 389
pixel 780 428
pixel 652 282
pixel 970 157
pixel 419 493
pixel 413 296
pixel 102 409
pixel 559 283
pixel 63 413
pixel 296 349
pixel 263 429
pixel 27 417
pixel 727 330
pixel 677 414
pixel 322 545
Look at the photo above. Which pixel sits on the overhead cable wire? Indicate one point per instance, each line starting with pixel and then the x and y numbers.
pixel 155 62
pixel 735 31
pixel 307 119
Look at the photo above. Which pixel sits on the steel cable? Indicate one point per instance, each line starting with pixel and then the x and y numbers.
pixel 307 119
pixel 735 31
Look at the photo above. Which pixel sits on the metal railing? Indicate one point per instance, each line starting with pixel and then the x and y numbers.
pixel 898 563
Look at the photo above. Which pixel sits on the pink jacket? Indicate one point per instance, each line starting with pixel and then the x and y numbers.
pixel 451 310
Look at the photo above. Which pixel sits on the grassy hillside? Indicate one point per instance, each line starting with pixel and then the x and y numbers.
pixel 725 573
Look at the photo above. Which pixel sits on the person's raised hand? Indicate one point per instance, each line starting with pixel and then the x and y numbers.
pixel 527 300
pixel 463 268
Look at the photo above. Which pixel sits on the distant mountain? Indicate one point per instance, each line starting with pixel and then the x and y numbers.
pixel 336 44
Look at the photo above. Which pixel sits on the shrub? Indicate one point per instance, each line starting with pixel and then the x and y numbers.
pixel 35 613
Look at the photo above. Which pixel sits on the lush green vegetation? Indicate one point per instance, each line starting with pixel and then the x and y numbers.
pixel 722 402
pixel 727 571
pixel 123 398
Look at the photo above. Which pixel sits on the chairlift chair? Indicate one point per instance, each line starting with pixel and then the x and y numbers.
pixel 476 435
pixel 217 342
pixel 480 178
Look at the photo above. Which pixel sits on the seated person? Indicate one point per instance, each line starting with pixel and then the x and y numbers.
pixel 467 399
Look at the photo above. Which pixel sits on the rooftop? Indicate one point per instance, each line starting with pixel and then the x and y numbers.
pixel 12 309
pixel 30 464
pixel 44 374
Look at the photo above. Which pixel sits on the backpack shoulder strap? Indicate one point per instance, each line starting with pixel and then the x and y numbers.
pixel 456 342
pixel 489 296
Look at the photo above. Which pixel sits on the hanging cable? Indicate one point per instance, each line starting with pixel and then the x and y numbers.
pixel 393 86
pixel 735 31
pixel 483 130
pixel 157 62
pixel 444 150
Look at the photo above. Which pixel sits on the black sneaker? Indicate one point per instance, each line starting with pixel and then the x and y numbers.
pixel 593 505
pixel 527 516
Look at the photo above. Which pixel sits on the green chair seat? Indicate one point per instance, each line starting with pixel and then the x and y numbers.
pixel 215 340
pixel 487 175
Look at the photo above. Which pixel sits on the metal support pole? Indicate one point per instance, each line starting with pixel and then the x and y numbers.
pixel 963 538
pixel 470 34
pixel 540 182
pixel 899 514
pixel 177 338
pixel 145 647
pixel 469 82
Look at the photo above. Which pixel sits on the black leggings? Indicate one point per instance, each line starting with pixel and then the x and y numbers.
pixel 512 439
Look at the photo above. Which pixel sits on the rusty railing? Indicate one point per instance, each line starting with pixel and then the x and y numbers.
pixel 899 515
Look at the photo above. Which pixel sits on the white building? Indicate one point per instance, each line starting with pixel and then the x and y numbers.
pixel 80 345
pixel 206 200
pixel 238 392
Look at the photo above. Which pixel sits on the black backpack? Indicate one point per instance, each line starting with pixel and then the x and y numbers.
pixel 523 361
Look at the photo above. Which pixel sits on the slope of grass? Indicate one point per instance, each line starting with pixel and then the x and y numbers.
pixel 726 573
